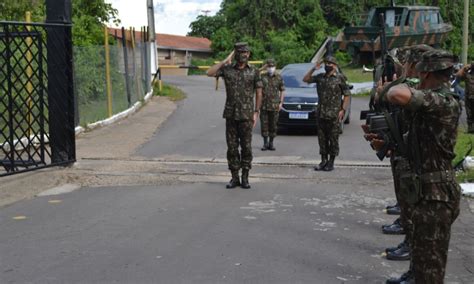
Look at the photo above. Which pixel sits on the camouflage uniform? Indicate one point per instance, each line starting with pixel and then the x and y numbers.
pixel 272 86
pixel 240 85
pixel 330 91
pixel 432 137
pixel 469 98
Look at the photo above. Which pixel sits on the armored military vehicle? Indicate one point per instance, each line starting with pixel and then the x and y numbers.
pixel 404 26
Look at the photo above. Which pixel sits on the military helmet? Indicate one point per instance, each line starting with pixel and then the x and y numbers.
pixel 436 60
pixel 270 62
pixel 241 47
pixel 330 59
pixel 415 52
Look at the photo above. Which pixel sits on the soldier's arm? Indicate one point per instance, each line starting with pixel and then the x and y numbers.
pixel 461 74
pixel 212 72
pixel 399 95
pixel 308 78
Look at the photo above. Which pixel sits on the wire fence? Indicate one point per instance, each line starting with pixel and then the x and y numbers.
pixel 129 61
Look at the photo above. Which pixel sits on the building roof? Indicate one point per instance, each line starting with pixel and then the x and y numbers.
pixel 176 42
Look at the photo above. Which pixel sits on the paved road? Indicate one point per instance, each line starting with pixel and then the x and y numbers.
pixel 196 131
pixel 175 222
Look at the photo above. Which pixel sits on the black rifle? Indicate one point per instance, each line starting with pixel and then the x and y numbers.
pixel 382 118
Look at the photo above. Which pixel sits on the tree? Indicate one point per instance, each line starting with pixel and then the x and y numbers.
pixel 206 26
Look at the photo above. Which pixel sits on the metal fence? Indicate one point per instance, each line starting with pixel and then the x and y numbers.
pixel 36 112
pixel 128 65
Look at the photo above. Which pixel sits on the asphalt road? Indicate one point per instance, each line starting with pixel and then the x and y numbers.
pixel 176 223
pixel 197 130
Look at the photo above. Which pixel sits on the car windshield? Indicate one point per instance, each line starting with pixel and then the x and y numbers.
pixel 293 76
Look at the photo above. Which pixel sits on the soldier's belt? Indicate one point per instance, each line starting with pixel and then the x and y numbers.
pixel 436 177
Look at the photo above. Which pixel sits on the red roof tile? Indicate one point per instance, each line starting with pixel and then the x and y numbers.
pixel 172 41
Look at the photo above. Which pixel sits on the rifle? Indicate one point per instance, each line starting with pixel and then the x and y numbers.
pixel 382 118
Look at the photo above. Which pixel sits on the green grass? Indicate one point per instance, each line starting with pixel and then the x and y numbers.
pixel 355 74
pixel 97 110
pixel 463 144
pixel 171 92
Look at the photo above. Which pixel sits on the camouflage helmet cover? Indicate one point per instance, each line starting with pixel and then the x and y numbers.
pixel 241 47
pixel 436 60
pixel 415 52
pixel 270 62
pixel 330 59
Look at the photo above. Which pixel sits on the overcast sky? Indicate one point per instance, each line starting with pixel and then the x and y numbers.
pixel 171 16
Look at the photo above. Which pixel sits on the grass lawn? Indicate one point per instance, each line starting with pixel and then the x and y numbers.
pixel 355 74
pixel 171 92
pixel 462 146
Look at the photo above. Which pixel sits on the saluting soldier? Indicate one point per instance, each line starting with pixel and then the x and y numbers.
pixel 331 87
pixel 243 86
pixel 273 95
pixel 467 74
pixel 430 185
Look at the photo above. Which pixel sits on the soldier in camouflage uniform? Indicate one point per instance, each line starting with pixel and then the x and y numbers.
pixel 467 74
pixel 399 159
pixel 430 186
pixel 331 87
pixel 242 82
pixel 273 94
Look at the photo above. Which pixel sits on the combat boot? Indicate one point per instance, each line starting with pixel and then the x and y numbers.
pixel 245 179
pixel 234 182
pixel 324 161
pixel 406 278
pixel 402 253
pixel 265 143
pixel 270 145
pixel 393 229
pixel 394 210
pixel 390 249
pixel 330 165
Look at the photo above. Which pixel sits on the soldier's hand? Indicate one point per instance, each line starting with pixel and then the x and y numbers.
pixel 280 106
pixel 230 57
pixel 341 115
pixel 377 144
pixel 255 117
pixel 370 136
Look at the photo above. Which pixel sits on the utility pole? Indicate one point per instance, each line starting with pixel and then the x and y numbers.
pixel 152 57
pixel 465 32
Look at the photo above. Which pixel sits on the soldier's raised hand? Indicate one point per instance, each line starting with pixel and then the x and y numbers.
pixel 230 57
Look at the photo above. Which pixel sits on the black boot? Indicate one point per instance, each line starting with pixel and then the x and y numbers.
pixel 402 253
pixel 324 161
pixel 234 182
pixel 330 165
pixel 393 229
pixel 395 210
pixel 390 249
pixel 270 145
pixel 406 278
pixel 265 143
pixel 245 179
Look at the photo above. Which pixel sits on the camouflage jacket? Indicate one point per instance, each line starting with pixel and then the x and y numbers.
pixel 240 86
pixel 272 87
pixel 330 92
pixel 435 121
pixel 469 78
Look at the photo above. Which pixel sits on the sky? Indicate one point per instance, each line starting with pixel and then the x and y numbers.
pixel 171 16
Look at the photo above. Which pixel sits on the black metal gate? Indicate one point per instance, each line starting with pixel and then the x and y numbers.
pixel 35 115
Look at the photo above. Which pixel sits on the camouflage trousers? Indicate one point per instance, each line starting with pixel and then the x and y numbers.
pixel 328 136
pixel 469 105
pixel 432 222
pixel 269 123
pixel 399 166
pixel 239 133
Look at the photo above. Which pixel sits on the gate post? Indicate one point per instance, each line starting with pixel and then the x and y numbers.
pixel 61 99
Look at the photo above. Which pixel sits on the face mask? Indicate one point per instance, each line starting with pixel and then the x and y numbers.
pixel 241 58
pixel 328 68
pixel 271 70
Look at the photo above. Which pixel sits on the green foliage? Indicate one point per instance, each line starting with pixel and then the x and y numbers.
pixel 205 26
pixel 14 10
pixel 200 62
pixel 300 26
